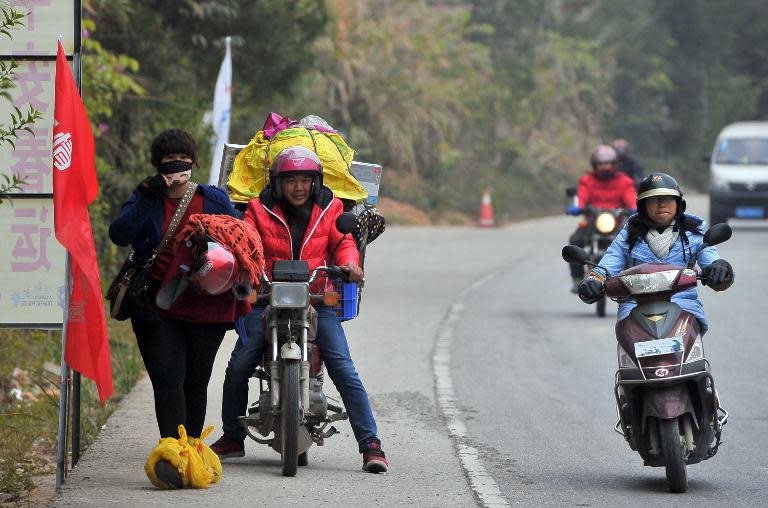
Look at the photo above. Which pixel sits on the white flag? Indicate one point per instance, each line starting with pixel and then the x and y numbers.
pixel 222 107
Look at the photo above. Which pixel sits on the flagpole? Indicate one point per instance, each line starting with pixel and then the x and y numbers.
pixel 221 114
pixel 61 447
pixel 78 68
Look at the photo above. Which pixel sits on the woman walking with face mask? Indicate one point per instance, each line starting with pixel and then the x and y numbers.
pixel 178 353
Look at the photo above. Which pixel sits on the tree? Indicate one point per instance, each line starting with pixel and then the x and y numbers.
pixel 19 120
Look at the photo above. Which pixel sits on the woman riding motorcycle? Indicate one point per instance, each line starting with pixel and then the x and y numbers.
pixel 295 216
pixel 660 232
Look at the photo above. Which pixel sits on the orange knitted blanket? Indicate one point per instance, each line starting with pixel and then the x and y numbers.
pixel 233 234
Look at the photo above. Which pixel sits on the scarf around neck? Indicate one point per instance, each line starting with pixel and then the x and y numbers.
pixel 661 242
pixel 298 220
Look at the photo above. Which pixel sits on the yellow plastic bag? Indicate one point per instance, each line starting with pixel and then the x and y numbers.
pixel 248 174
pixel 196 463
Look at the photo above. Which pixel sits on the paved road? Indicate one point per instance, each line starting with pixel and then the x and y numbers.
pixel 413 276
pixel 543 420
pixel 455 346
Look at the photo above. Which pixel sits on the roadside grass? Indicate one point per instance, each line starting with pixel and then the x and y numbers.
pixel 29 402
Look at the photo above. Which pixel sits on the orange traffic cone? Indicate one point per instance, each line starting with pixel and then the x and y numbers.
pixel 486 211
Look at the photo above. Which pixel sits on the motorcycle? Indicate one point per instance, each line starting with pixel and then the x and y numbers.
pixel 292 407
pixel 602 225
pixel 667 406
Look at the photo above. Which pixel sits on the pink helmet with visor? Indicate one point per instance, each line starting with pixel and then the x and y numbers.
pixel 295 160
pixel 216 271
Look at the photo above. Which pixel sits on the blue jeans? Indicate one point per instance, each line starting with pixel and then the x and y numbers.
pixel 335 353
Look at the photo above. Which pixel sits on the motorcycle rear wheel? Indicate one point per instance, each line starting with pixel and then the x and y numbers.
pixel 673 451
pixel 289 417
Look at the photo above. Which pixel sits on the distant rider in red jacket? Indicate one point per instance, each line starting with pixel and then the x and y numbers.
pixel 603 187
pixel 296 218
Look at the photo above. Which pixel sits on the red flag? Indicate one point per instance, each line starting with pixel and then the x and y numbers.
pixel 74 188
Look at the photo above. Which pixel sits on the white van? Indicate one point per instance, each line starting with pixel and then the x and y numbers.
pixel 739 173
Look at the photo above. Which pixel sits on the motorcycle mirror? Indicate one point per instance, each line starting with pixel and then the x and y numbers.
pixel 718 234
pixel 346 222
pixel 574 254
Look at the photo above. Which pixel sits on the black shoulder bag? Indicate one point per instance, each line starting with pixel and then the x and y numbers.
pixel 129 291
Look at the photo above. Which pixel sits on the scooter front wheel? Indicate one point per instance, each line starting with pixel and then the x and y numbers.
pixel 289 417
pixel 673 451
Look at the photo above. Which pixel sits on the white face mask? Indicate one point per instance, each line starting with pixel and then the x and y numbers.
pixel 178 178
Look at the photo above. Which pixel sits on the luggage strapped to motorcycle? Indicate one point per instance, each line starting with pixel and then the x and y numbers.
pixel 370 221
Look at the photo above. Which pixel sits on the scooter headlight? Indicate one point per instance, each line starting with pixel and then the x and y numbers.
pixel 697 351
pixel 625 361
pixel 605 223
pixel 650 282
pixel 289 295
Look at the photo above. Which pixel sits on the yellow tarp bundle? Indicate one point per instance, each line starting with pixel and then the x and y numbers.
pixel 197 464
pixel 247 178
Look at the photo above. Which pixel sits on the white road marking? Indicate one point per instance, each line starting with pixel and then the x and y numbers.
pixel 480 481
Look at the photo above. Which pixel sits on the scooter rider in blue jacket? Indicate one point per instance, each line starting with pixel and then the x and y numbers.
pixel 660 232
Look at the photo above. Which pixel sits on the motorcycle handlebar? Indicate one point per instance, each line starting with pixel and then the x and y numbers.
pixel 333 272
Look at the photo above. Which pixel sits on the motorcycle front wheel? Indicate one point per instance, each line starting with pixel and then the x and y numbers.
pixel 673 449
pixel 289 417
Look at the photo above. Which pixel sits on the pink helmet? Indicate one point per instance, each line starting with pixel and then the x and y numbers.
pixel 216 271
pixel 295 160
pixel 604 154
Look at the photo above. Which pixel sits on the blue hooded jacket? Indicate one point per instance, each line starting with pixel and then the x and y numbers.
pixel 141 219
pixel 618 258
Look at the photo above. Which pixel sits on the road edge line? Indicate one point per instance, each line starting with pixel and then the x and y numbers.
pixel 481 483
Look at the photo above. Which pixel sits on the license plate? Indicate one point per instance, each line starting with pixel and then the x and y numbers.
pixel 658 347
pixel 750 212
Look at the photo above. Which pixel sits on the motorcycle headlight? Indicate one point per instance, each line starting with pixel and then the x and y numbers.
pixel 625 361
pixel 649 282
pixel 697 351
pixel 605 223
pixel 289 295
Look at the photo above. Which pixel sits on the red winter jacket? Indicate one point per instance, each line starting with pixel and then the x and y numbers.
pixel 321 237
pixel 615 192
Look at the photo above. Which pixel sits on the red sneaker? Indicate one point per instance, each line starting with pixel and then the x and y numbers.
pixel 226 447
pixel 374 460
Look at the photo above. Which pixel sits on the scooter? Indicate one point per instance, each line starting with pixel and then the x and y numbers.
pixel 668 408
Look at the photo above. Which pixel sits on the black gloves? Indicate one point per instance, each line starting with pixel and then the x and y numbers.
pixel 152 186
pixel 591 290
pixel 718 275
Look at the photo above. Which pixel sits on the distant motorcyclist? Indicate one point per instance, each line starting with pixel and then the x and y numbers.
pixel 627 164
pixel 660 232
pixel 603 187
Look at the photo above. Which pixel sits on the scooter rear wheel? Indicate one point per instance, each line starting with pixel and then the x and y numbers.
pixel 289 417
pixel 673 450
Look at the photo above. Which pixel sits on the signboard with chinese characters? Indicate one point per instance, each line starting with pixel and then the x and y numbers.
pixel 44 21
pixel 31 265
pixel 31 159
